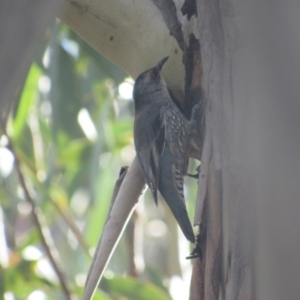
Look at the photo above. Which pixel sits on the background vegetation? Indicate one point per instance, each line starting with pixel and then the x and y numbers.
pixel 71 131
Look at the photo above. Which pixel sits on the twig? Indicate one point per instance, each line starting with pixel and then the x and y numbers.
pixel 42 230
pixel 73 227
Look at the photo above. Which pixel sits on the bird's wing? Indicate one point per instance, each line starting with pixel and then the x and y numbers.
pixel 149 138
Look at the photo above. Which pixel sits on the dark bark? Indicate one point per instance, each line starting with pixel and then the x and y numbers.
pixel 189 8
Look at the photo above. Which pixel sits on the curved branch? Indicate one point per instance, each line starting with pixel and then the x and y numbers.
pixel 121 210
pixel 134 36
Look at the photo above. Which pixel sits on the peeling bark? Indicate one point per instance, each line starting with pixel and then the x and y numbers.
pixel 194 93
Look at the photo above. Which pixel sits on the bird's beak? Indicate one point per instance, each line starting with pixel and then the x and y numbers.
pixel 161 62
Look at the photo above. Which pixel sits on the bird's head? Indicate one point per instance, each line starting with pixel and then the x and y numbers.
pixel 149 82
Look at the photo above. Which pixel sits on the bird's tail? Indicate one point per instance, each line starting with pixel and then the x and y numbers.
pixel 171 188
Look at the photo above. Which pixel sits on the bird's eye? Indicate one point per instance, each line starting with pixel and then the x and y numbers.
pixel 154 75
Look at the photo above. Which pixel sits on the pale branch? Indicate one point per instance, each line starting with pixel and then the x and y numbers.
pixel 126 194
pixel 117 186
pixel 126 36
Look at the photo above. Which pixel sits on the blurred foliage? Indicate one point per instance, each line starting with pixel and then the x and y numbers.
pixel 72 131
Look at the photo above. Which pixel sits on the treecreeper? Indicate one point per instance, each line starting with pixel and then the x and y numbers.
pixel 162 137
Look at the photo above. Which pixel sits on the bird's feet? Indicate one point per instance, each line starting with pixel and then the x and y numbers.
pixel 196 176
pixel 196 252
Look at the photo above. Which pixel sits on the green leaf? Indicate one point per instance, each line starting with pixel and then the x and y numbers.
pixel 67 100
pixel 155 277
pixel 103 190
pixel 28 96
pixel 99 295
pixel 132 288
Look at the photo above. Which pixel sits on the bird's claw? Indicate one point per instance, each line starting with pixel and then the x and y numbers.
pixel 196 252
pixel 196 176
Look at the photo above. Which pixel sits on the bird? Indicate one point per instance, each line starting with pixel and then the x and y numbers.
pixel 162 140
